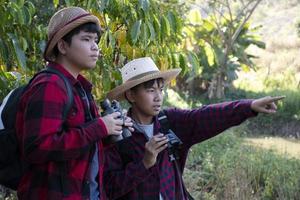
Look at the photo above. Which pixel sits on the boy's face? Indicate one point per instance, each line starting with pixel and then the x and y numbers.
pixel 83 51
pixel 147 101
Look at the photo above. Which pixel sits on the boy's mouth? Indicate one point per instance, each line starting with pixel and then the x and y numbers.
pixel 94 58
pixel 157 107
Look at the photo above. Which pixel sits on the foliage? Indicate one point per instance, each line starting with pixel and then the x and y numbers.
pixel 20 46
pixel 131 29
pixel 219 42
pixel 227 169
pixel 146 28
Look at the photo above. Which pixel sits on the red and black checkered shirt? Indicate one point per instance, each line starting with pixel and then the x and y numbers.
pixel 59 159
pixel 131 180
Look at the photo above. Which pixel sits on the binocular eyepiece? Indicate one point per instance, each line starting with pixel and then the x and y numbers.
pixel 109 108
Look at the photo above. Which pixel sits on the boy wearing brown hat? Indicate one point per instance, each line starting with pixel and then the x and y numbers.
pixel 65 156
pixel 146 166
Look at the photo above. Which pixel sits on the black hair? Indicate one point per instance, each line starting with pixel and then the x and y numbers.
pixel 146 85
pixel 150 83
pixel 89 27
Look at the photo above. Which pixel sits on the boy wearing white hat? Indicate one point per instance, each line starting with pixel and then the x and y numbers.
pixel 65 157
pixel 140 167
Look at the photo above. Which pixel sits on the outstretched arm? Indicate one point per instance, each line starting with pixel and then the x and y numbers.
pixel 194 126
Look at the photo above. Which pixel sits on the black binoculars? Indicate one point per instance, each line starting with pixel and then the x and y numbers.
pixel 174 144
pixel 111 107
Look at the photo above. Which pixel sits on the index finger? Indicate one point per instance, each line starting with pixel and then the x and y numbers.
pixel 276 98
pixel 115 114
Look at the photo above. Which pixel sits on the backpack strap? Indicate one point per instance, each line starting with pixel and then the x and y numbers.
pixel 86 98
pixel 65 114
pixel 163 121
pixel 68 89
pixel 67 84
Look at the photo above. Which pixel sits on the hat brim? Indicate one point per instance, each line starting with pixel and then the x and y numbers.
pixel 118 93
pixel 48 53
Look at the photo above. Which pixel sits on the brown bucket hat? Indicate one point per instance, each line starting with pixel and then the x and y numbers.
pixel 64 21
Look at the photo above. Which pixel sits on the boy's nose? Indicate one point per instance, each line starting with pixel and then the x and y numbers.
pixel 95 46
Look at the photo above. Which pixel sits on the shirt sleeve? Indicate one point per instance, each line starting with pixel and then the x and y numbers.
pixel 194 126
pixel 43 139
pixel 120 179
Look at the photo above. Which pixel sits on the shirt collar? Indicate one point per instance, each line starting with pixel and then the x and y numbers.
pixel 156 124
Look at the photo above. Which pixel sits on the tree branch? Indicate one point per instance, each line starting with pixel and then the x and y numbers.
pixel 237 32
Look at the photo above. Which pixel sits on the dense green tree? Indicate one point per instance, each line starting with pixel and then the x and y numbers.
pixel 211 47
pixel 220 40
pixel 130 29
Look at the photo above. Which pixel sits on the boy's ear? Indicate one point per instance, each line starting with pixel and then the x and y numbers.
pixel 130 96
pixel 62 47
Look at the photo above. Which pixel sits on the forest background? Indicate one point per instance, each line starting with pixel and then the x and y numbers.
pixel 227 50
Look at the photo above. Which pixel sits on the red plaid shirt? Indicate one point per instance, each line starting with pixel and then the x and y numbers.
pixel 59 160
pixel 133 181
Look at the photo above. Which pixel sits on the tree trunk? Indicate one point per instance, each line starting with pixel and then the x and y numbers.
pixel 216 87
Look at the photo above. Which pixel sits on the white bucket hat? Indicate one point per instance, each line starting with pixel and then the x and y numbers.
pixel 139 71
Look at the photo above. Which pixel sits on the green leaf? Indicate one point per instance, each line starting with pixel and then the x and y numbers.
pixel 144 4
pixel 231 74
pixel 16 14
pixel 135 31
pixel 112 40
pixel 194 16
pixel 23 43
pixel 207 25
pixel 19 14
pixel 172 20
pixel 4 51
pixel 259 44
pixel 55 3
pixel 219 54
pixel 156 27
pixel 27 16
pixel 106 81
pixel 20 55
pixel 193 59
pixel 20 3
pixel 30 7
pixel 104 41
pixel 182 63
pixel 89 4
pixel 152 31
pixel 209 51
pixel 173 60
pixel 165 28
pixel 145 33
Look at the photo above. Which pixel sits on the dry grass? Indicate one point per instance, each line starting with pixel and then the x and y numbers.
pixel 288 147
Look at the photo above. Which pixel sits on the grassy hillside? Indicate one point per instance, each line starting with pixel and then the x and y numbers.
pixel 281 59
